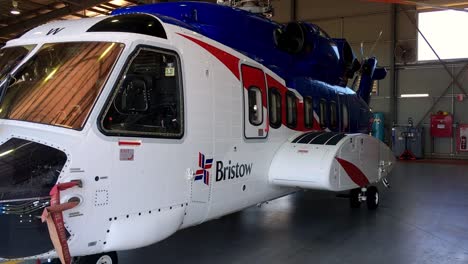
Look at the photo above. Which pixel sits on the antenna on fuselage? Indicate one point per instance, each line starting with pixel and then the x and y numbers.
pixel 358 76
pixel 376 42
pixel 362 50
pixel 370 73
pixel 364 58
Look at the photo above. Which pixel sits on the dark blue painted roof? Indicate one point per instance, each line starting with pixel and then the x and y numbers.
pixel 249 34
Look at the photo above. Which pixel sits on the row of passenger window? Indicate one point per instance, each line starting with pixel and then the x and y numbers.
pixel 291 111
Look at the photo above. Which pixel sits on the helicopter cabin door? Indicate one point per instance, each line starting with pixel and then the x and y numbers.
pixel 255 102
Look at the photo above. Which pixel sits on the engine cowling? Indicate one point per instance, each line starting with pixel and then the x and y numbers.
pixel 331 161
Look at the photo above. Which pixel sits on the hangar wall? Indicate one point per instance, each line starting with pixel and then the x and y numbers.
pixel 361 22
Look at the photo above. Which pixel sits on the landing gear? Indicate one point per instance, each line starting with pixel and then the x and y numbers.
pixel 103 258
pixel 355 198
pixel 370 195
pixel 372 198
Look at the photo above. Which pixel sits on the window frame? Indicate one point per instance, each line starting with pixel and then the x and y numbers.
pixel 345 118
pixel 260 110
pixel 32 51
pixel 333 114
pixel 120 79
pixel 323 113
pixel 307 100
pixel 293 95
pixel 273 90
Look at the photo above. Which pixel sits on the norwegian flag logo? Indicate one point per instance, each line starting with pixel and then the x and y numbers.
pixel 203 173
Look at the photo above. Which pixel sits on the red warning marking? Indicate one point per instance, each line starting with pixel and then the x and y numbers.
pixel 129 143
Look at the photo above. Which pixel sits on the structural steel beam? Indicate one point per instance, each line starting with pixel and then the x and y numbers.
pixel 35 12
pixel 434 51
pixel 444 64
pixel 56 14
pixel 293 10
pixel 95 10
pixel 75 3
pixel 110 9
pixel 442 95
pixel 393 70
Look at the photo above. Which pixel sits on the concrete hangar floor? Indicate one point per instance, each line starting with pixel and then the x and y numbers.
pixel 423 218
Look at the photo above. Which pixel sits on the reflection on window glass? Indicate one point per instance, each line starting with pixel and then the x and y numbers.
pixel 275 108
pixel 291 109
pixel 60 83
pixel 345 117
pixel 323 113
pixel 11 57
pixel 333 115
pixel 308 112
pixel 255 106
pixel 148 99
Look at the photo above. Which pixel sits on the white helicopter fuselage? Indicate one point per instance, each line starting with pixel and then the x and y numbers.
pixel 137 191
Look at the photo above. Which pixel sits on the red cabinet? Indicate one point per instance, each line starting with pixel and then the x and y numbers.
pixel 441 125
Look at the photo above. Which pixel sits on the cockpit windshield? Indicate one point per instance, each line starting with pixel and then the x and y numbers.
pixel 10 57
pixel 60 83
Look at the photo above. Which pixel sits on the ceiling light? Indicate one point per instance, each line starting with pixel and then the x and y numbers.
pixel 15 11
pixel 414 95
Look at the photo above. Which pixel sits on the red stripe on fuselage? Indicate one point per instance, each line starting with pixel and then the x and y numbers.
pixel 252 76
pixel 356 175
pixel 230 61
pixel 282 89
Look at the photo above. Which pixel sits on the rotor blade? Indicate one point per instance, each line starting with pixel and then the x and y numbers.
pixel 415 3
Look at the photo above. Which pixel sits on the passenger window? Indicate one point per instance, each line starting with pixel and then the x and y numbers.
pixel 323 113
pixel 333 115
pixel 345 120
pixel 148 100
pixel 308 112
pixel 291 109
pixel 255 106
pixel 275 108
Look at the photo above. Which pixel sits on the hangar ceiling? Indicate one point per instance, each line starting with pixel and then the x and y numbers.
pixel 453 3
pixel 37 12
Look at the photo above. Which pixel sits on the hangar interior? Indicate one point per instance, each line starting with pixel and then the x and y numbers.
pixel 422 216
pixel 397 49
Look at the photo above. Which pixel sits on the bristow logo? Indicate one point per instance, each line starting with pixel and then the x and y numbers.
pixel 232 171
pixel 229 172
pixel 203 173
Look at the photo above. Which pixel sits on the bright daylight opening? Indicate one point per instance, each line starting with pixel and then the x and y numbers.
pixel 445 31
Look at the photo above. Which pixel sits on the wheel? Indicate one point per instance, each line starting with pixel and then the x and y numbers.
pixel 103 258
pixel 354 201
pixel 372 198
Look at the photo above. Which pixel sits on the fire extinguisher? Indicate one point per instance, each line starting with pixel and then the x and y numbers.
pixel 463 143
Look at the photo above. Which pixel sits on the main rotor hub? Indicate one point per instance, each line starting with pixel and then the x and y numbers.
pixel 263 7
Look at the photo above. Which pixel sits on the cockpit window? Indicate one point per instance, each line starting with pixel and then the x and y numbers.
pixel 10 58
pixel 60 83
pixel 148 100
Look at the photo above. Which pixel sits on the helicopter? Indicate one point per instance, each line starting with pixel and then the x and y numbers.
pixel 118 131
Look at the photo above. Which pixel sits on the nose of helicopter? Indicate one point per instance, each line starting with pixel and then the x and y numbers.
pixel 28 171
